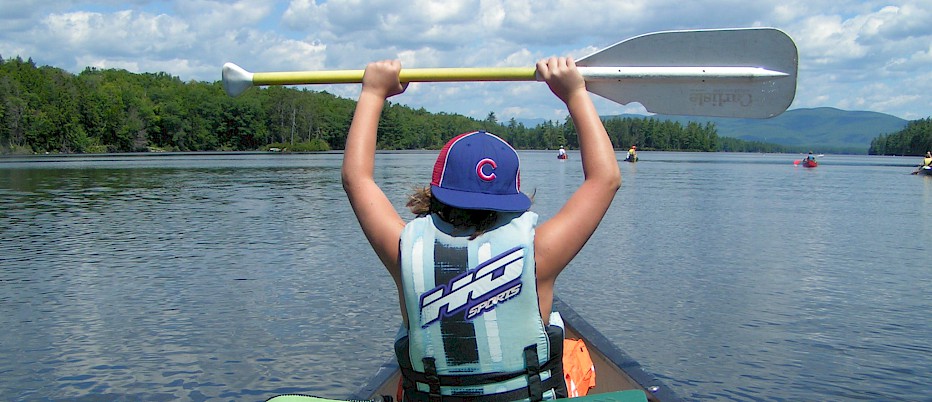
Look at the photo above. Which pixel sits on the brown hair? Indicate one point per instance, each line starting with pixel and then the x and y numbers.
pixel 421 203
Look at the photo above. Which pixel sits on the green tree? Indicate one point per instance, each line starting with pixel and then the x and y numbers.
pixel 914 139
pixel 48 109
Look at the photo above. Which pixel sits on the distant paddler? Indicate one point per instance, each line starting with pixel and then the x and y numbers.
pixel 926 166
pixel 632 154
pixel 809 161
pixel 561 154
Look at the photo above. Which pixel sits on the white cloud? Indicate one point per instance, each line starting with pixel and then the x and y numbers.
pixel 123 39
pixel 828 40
pixel 213 16
pixel 868 56
pixel 871 54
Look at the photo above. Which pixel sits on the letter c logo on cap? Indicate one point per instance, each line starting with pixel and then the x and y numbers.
pixel 483 163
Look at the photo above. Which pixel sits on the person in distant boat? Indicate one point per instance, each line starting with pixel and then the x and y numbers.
pixel 810 157
pixel 561 154
pixel 632 153
pixel 926 161
pixel 474 270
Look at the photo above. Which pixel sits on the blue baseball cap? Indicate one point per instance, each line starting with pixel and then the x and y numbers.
pixel 479 170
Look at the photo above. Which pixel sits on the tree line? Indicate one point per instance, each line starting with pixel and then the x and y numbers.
pixel 46 109
pixel 914 139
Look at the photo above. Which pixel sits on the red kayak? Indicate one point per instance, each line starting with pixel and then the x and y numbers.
pixel 810 163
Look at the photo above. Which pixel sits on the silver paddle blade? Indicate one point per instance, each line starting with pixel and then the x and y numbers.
pixel 749 72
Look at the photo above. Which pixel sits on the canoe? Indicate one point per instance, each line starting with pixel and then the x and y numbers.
pixel 561 156
pixel 925 170
pixel 630 159
pixel 618 376
pixel 810 163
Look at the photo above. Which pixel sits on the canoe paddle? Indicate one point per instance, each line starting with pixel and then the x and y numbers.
pixel 742 72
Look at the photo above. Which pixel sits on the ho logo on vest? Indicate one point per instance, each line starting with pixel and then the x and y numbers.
pixel 476 291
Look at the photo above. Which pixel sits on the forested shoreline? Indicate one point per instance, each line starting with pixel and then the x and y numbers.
pixel 914 139
pixel 48 110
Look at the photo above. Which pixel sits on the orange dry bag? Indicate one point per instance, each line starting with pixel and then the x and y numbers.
pixel 577 368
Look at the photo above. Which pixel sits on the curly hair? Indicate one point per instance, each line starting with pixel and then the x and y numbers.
pixel 421 203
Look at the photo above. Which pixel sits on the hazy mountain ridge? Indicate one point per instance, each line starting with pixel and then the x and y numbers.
pixel 815 128
pixel 822 127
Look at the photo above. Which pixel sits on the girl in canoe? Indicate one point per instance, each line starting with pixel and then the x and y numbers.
pixel 474 270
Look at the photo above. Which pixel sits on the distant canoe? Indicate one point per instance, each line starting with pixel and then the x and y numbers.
pixel 810 163
pixel 630 159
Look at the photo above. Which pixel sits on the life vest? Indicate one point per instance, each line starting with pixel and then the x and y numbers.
pixel 474 327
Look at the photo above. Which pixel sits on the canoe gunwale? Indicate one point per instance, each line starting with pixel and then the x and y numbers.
pixel 599 344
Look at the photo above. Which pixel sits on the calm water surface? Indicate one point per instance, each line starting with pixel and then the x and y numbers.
pixel 242 276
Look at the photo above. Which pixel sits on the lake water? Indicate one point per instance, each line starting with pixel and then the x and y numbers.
pixel 242 276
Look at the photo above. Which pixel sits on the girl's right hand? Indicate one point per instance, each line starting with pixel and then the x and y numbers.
pixel 381 78
pixel 562 76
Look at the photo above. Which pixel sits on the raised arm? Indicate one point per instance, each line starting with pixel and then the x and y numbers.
pixel 560 238
pixel 379 221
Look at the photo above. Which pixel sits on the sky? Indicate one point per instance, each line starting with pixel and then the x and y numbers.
pixel 853 54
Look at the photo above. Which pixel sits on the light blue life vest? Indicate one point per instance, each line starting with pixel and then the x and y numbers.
pixel 474 326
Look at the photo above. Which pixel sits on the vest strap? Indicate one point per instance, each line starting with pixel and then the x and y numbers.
pixel 534 389
pixel 468 380
pixel 432 378
pixel 556 382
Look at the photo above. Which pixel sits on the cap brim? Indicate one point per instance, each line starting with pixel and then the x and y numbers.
pixel 493 202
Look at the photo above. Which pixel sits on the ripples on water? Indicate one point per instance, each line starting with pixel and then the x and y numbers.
pixel 207 278
pixel 759 280
pixel 237 277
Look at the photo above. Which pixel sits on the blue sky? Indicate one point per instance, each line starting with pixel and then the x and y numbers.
pixel 854 55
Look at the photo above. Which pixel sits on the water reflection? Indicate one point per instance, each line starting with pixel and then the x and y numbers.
pixel 731 276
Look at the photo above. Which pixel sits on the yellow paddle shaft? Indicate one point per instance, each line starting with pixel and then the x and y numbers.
pixel 406 75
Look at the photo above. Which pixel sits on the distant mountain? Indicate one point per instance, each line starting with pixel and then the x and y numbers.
pixel 822 129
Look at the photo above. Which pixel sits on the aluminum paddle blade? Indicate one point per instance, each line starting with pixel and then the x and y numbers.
pixel 745 72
